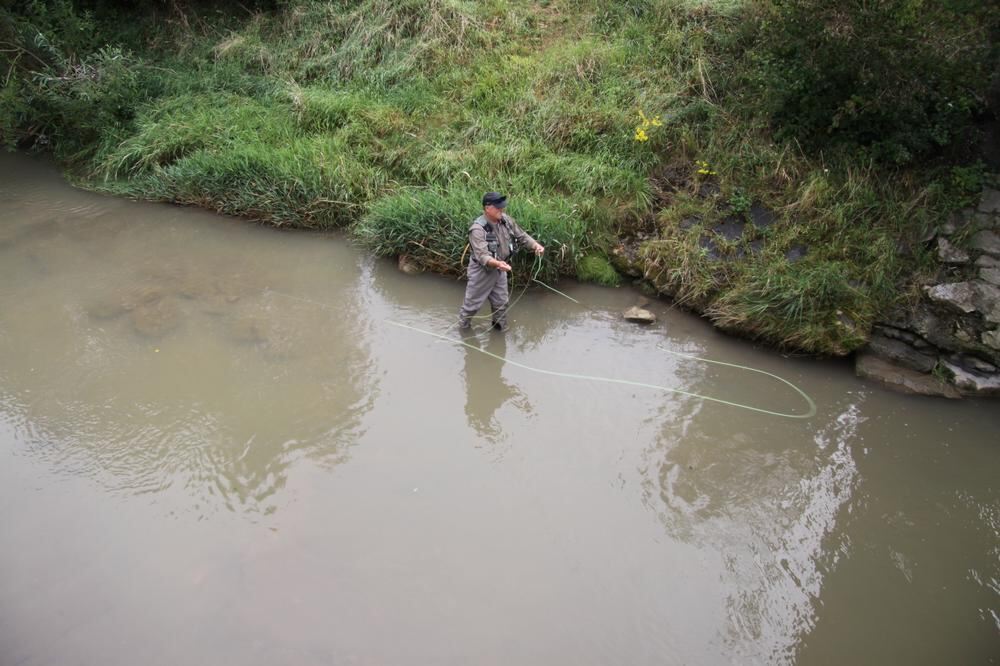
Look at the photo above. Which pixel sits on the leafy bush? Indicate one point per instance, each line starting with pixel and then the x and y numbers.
pixel 68 96
pixel 897 79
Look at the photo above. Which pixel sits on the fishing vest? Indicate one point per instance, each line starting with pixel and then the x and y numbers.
pixel 493 241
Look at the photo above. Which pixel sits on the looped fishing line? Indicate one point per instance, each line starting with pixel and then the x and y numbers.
pixel 810 412
pixel 569 375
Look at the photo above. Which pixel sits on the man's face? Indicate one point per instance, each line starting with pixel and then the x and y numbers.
pixel 493 214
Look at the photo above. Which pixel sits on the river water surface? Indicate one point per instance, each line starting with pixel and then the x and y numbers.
pixel 215 447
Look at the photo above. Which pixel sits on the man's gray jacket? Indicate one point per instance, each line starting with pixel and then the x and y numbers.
pixel 504 230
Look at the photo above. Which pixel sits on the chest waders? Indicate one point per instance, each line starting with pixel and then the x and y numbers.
pixel 488 284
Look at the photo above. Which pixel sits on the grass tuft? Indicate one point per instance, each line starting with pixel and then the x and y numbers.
pixel 597 269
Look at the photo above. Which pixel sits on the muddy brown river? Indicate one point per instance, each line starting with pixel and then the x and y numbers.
pixel 216 447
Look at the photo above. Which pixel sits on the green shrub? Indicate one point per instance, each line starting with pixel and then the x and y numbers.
pixel 895 79
pixel 69 91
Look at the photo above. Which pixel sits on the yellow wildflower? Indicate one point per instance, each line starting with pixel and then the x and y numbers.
pixel 704 169
pixel 647 122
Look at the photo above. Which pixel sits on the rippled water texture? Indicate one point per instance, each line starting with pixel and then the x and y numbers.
pixel 215 448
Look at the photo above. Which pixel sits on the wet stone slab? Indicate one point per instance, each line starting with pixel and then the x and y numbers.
pixel 990 201
pixel 958 296
pixel 902 353
pixel 987 241
pixel 949 254
pixel 711 248
pixel 730 228
pixel 761 216
pixel 796 253
pixel 904 380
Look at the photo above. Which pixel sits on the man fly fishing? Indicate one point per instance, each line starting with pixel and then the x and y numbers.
pixel 493 237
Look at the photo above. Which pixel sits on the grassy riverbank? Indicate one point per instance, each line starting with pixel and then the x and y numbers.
pixel 640 133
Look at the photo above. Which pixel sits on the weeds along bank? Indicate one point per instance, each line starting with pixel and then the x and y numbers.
pixel 732 158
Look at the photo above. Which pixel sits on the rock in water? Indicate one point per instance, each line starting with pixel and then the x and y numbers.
pixel 904 380
pixel 973 383
pixel 639 315
pixel 408 265
pixel 156 318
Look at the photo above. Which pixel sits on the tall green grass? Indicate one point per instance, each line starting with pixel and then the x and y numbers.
pixel 432 227
pixel 390 119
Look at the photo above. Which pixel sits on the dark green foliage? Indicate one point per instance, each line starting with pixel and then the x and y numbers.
pixel 894 79
pixel 69 91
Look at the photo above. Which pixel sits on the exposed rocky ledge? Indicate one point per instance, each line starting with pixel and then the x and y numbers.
pixel 948 343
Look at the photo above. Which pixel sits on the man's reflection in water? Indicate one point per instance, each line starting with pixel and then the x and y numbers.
pixel 486 389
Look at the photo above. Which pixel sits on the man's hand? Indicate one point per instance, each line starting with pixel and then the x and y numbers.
pixel 501 266
pixel 539 249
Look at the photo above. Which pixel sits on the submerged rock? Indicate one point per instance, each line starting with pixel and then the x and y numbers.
pixel 108 308
pixel 155 318
pixel 407 265
pixel 250 330
pixel 273 339
pixel 639 315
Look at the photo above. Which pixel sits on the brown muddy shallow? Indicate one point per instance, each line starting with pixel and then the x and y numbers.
pixel 215 448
